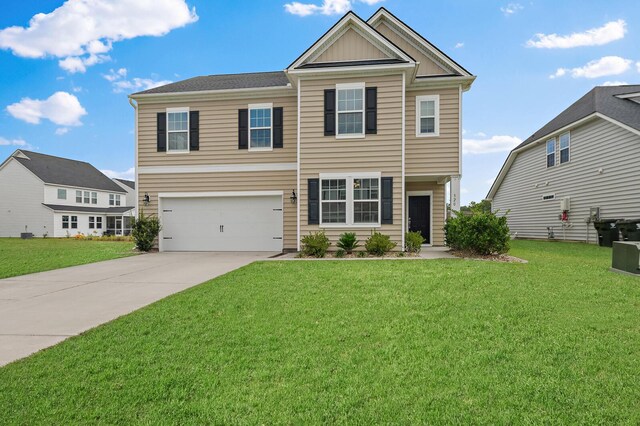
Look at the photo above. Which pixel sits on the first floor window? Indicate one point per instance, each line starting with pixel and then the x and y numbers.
pixel 427 115
pixel 365 200
pixel 74 222
pixel 94 198
pixel 260 128
pixel 350 200
pixel 334 201
pixel 87 197
pixel 92 222
pixel 62 194
pixel 65 222
pixel 98 222
pixel 565 141
pixel 551 152
pixel 350 99
pixel 78 196
pixel 178 131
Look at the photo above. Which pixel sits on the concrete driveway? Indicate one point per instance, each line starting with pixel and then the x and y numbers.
pixel 40 310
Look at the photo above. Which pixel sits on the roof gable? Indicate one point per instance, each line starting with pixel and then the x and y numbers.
pixel 350 45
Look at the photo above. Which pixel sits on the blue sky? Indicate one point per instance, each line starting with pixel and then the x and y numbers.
pixel 64 88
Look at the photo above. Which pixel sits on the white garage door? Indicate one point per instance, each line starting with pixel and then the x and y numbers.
pixel 252 223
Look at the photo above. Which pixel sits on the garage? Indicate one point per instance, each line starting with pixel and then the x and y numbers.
pixel 221 222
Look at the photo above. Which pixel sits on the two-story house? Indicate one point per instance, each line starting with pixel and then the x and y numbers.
pixel 57 197
pixel 581 166
pixel 361 132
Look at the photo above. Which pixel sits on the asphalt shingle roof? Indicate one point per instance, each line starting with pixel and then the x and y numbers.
pixel 83 209
pixel 63 171
pixel 131 184
pixel 223 82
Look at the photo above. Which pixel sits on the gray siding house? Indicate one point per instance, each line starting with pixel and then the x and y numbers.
pixel 585 163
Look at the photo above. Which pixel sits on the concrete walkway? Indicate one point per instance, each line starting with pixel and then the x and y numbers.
pixel 40 310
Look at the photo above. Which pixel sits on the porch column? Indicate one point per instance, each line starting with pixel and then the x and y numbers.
pixel 455 194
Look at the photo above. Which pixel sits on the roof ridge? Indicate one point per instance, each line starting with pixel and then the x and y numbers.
pixel 55 156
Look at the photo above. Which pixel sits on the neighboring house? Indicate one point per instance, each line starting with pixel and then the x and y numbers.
pixel 582 164
pixel 57 197
pixel 360 133
pixel 130 187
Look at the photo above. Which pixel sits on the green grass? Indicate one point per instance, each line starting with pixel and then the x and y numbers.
pixel 19 257
pixel 399 341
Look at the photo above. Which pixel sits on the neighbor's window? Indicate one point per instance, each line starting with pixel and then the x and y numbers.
pixel 565 141
pixel 260 129
pixel 178 131
pixel 334 201
pixel 92 222
pixel 98 222
pixel 114 199
pixel 78 196
pixel 87 197
pixel 94 198
pixel 350 200
pixel 427 115
pixel 74 222
pixel 365 200
pixel 551 152
pixel 65 222
pixel 62 194
pixel 350 109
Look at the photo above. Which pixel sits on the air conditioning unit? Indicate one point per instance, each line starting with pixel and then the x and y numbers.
pixel 565 204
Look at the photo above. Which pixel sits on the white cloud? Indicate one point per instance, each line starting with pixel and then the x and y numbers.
pixel 615 83
pixel 459 45
pixel 638 66
pixel 328 7
pixel 14 142
pixel 62 131
pixel 490 145
pixel 605 66
pixel 129 174
pixel 511 9
pixel 61 108
pixel 81 32
pixel 607 33
pixel 120 84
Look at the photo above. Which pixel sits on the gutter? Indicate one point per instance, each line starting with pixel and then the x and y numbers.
pixel 135 148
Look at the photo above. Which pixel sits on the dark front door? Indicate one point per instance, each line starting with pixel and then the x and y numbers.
pixel 420 215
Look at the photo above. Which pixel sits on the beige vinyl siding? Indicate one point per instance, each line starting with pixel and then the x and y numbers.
pixel 427 65
pixel 373 153
pixel 218 133
pixel 350 46
pixel 438 202
pixel 212 182
pixel 596 145
pixel 434 154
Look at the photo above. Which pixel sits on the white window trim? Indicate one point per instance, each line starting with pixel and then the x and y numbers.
pixel 260 106
pixel 116 200
pixel 436 124
pixel 347 86
pixel 178 151
pixel 568 148
pixel 92 198
pixel 81 196
pixel 58 193
pixel 547 154
pixel 349 177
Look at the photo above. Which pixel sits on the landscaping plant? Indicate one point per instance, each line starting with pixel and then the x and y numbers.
pixel 348 242
pixel 315 244
pixel 340 253
pixel 145 230
pixel 379 244
pixel 413 241
pixel 479 232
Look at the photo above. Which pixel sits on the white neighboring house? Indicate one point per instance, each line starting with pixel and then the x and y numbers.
pixel 58 197
pixel 130 187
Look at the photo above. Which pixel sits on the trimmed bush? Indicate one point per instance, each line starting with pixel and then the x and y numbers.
pixel 315 244
pixel 413 241
pixel 379 244
pixel 144 231
pixel 348 242
pixel 479 232
pixel 340 253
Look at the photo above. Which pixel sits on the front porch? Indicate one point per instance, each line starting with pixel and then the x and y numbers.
pixel 118 225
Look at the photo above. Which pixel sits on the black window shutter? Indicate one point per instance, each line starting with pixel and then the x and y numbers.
pixel 329 112
pixel 162 132
pixel 387 200
pixel 194 130
pixel 371 109
pixel 277 127
pixel 313 201
pixel 243 129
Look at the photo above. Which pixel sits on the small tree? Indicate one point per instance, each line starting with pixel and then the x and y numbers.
pixel 145 230
pixel 479 232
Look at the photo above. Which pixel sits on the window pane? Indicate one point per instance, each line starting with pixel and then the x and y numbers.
pixel 260 138
pixel 564 141
pixel 427 109
pixel 94 198
pixel 365 189
pixel 178 141
pixel 365 212
pixel 62 194
pixel 564 155
pixel 260 117
pixel 349 123
pixel 551 146
pixel 334 189
pixel 334 212
pixel 427 125
pixel 350 99
pixel 78 196
pixel 86 197
pixel 178 121
pixel 551 160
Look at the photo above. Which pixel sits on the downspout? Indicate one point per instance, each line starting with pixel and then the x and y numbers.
pixel 298 174
pixel 135 161
pixel 402 231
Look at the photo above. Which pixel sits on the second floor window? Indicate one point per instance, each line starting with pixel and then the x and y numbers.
pixel 62 194
pixel 350 108
pixel 78 196
pixel 94 198
pixel 565 141
pixel 551 152
pixel 114 199
pixel 177 131
pixel 427 115
pixel 87 197
pixel 260 126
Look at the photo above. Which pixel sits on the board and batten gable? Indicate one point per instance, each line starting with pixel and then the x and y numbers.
pixel 380 152
pixel 602 172
pixel 21 197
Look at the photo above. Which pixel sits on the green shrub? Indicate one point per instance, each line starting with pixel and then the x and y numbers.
pixel 340 253
pixel 413 241
pixel 348 242
pixel 362 254
pixel 479 232
pixel 144 231
pixel 379 244
pixel 315 244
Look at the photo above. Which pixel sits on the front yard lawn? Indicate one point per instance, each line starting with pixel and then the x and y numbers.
pixel 556 340
pixel 19 257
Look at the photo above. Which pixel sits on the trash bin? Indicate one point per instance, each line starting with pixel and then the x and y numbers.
pixel 630 229
pixel 607 231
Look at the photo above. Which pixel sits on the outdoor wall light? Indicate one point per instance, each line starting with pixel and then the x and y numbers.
pixel 294 197
pixel 146 199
